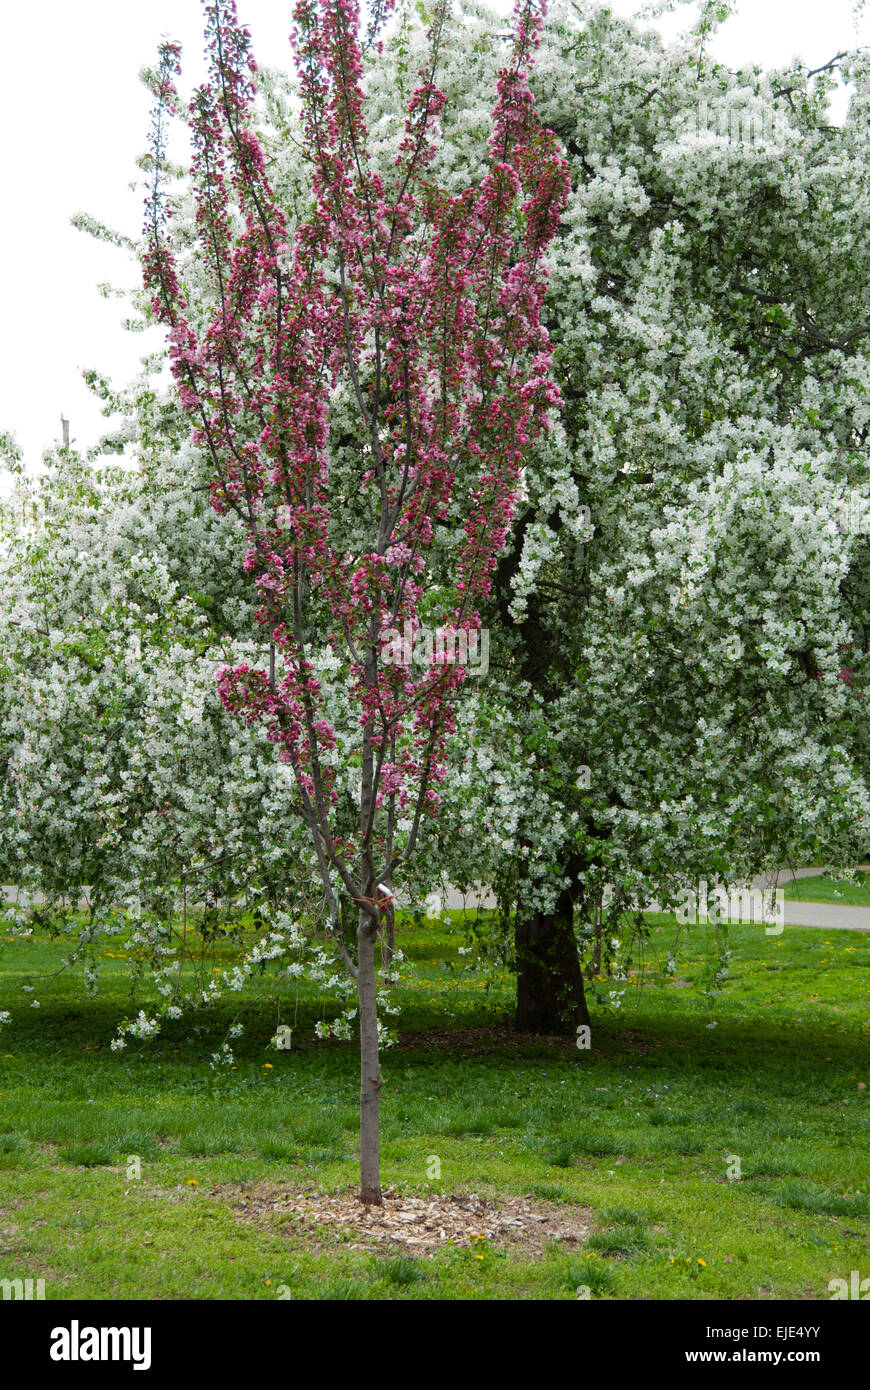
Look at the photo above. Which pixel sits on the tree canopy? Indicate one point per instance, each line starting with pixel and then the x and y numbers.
pixel 677 638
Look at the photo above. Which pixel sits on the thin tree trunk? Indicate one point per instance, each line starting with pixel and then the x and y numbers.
pixel 388 927
pixel 370 1068
pixel 550 994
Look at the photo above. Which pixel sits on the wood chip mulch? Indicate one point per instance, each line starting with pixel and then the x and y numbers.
pixel 416 1225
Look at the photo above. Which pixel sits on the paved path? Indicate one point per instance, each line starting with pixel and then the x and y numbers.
pixel 829 916
pixel 826 916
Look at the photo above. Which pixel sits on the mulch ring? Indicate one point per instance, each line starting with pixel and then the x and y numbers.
pixel 419 1225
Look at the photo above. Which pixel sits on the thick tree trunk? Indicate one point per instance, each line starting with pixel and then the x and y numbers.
pixel 550 993
pixel 370 1068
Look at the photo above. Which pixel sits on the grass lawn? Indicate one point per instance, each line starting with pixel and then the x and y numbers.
pixel 828 890
pixel 637 1134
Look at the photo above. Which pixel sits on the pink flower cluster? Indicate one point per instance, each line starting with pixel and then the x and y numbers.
pixel 427 305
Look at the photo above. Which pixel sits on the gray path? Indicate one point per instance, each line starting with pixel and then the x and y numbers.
pixel 826 916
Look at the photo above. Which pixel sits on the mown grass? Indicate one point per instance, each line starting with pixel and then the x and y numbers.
pixel 678 1090
pixel 820 889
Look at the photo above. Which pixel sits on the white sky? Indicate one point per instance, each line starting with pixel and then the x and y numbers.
pixel 74 118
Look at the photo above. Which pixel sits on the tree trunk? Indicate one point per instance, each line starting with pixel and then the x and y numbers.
pixel 550 993
pixel 388 929
pixel 370 1068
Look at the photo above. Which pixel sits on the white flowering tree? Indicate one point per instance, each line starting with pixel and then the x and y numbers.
pixel 123 783
pixel 677 639
pixel 678 647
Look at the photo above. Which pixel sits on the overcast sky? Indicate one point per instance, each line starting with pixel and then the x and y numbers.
pixel 74 119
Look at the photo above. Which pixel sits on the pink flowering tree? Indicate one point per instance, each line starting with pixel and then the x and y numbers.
pixel 362 379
